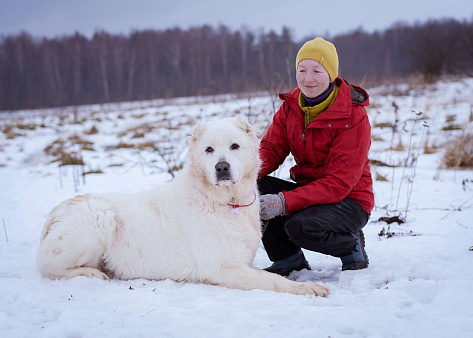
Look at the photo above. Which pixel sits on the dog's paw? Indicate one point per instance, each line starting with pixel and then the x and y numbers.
pixel 315 289
pixel 100 275
pixel 91 272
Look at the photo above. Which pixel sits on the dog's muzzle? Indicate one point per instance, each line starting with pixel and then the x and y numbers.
pixel 222 170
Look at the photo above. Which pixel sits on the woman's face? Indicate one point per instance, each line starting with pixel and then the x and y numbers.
pixel 312 78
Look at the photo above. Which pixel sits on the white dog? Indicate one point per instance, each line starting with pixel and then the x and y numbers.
pixel 202 227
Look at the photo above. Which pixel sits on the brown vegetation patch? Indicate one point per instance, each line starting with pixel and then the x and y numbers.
pixel 92 131
pixel 398 147
pixel 10 130
pixel 380 177
pixel 430 149
pixel 378 163
pixel 450 118
pixel 392 219
pixel 98 171
pixel 452 126
pixel 460 155
pixel 383 125
pixel 125 145
pixel 138 131
pixel 147 145
pixel 68 151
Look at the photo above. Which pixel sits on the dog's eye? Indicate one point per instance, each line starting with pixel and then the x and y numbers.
pixel 234 146
pixel 209 150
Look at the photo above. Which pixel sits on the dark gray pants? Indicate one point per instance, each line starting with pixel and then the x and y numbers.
pixel 324 228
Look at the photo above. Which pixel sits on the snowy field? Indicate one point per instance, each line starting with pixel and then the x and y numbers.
pixel 419 282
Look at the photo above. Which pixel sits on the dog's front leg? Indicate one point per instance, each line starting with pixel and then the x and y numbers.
pixel 250 278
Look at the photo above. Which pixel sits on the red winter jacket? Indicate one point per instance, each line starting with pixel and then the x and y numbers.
pixel 331 154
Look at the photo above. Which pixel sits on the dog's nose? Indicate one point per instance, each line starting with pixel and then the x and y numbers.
pixel 223 170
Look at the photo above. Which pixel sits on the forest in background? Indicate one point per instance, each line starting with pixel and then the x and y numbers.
pixel 74 70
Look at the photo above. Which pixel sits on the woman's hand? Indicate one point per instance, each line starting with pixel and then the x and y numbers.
pixel 272 205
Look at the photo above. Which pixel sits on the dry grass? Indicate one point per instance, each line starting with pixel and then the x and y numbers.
pixel 383 125
pixel 11 130
pixel 430 149
pixel 398 147
pixel 97 171
pixel 138 131
pixel 380 177
pixel 377 163
pixel 123 145
pixel 68 152
pixel 450 123
pixel 92 131
pixel 141 146
pixel 450 118
pixel 452 126
pixel 460 155
pixel 147 145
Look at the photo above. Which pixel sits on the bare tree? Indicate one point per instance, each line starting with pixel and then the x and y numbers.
pixel 202 60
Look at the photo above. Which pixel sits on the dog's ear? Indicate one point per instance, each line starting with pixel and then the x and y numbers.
pixel 243 125
pixel 246 127
pixel 197 132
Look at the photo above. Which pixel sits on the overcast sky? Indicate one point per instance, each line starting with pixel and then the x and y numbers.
pixel 305 18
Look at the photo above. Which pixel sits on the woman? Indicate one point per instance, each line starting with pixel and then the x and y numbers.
pixel 324 125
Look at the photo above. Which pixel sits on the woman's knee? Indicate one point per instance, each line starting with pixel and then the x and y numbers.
pixel 301 232
pixel 315 236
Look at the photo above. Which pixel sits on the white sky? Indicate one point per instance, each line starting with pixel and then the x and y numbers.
pixel 305 18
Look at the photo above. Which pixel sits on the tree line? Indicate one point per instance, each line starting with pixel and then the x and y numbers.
pixel 72 70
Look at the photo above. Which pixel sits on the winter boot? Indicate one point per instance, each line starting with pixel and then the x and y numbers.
pixel 358 259
pixel 284 267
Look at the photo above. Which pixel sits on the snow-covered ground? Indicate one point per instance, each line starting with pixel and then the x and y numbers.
pixel 419 282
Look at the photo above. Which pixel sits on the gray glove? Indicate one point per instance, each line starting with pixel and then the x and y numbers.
pixel 272 206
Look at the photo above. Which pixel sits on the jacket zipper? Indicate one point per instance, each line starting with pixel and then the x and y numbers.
pixel 303 142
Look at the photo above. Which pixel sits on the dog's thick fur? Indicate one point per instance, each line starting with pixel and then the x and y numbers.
pixel 184 231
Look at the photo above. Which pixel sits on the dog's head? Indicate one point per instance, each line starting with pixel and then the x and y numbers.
pixel 224 152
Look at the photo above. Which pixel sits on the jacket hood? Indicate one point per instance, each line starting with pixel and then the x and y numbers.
pixel 358 95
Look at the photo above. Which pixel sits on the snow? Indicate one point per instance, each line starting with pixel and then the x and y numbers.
pixel 418 283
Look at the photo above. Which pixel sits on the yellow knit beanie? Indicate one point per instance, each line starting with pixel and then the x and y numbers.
pixel 322 51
